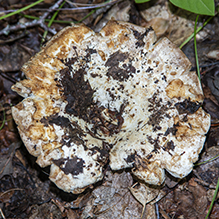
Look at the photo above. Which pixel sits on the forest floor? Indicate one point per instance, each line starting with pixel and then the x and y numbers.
pixel 25 189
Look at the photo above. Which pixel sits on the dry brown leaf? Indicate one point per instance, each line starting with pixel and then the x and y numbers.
pixel 213 54
pixel 113 199
pixel 6 167
pixel 20 157
pixel 144 194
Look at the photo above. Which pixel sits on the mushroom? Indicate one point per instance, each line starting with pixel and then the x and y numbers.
pixel 115 97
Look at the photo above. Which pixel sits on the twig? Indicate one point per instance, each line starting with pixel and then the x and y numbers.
pixel 10 190
pixel 157 210
pixel 47 20
pixel 50 22
pixel 101 10
pixel 33 23
pixel 3 122
pixel 9 78
pixel 13 39
pixel 89 6
pixel 3 216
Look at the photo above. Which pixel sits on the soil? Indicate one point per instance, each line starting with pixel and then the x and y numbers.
pixel 25 189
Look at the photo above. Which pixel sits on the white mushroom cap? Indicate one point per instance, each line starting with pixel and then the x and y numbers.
pixel 116 96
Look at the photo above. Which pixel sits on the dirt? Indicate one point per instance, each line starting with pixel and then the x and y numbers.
pixel 25 189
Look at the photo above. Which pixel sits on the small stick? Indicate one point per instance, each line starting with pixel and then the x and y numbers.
pixel 2 214
pixel 40 22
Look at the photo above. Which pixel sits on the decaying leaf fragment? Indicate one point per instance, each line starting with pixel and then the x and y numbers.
pixel 116 96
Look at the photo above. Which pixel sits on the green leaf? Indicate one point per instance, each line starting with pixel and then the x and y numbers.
pixel 141 1
pixel 205 7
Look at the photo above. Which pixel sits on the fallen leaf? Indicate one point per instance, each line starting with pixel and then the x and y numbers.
pixel 6 160
pixel 144 194
pixel 113 200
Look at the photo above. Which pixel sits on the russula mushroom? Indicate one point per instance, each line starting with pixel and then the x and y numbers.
pixel 116 97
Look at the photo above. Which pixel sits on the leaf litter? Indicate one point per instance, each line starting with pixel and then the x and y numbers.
pixel 188 198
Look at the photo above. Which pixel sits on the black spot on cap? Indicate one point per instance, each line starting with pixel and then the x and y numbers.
pixel 72 166
pixel 140 36
pixel 77 92
pixel 169 146
pixel 187 106
pixel 115 71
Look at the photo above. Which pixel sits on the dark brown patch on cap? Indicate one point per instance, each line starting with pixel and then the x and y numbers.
pixel 149 69
pixel 72 166
pixel 130 158
pixel 89 52
pixel 187 106
pixel 155 143
pixel 117 57
pixel 73 132
pixel 169 146
pixel 140 36
pixel 157 110
pixel 172 130
pixel 69 62
pixel 55 119
pixel 103 157
pixel 115 71
pixel 109 126
pixel 79 95
pixel 77 92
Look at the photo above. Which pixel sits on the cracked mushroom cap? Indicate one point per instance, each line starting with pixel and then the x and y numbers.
pixel 116 97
